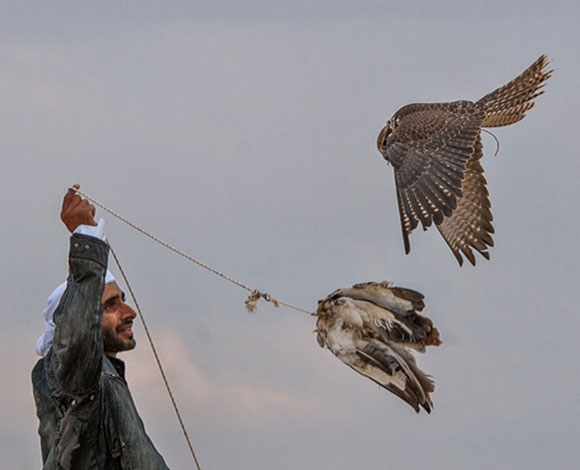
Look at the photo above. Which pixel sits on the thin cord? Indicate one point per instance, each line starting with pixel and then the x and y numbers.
pixel 157 360
pixel 255 293
pixel 496 140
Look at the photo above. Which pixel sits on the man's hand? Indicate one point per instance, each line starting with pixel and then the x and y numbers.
pixel 76 210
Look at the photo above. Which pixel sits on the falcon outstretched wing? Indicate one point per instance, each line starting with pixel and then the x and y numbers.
pixel 470 225
pixel 429 146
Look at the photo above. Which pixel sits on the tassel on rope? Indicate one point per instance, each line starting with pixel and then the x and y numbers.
pixel 251 302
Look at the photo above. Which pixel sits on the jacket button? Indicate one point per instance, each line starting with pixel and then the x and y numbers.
pixel 87 247
pixel 76 245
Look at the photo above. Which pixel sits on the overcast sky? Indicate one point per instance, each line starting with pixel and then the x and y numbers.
pixel 244 133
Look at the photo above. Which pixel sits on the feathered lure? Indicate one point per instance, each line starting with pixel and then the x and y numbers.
pixel 373 328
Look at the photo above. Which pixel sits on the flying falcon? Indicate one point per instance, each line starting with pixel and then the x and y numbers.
pixel 435 150
pixel 373 328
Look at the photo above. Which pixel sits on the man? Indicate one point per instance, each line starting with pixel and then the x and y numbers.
pixel 88 419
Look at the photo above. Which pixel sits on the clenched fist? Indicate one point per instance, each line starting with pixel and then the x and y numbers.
pixel 76 210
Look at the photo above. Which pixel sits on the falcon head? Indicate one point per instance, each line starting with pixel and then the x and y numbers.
pixel 384 135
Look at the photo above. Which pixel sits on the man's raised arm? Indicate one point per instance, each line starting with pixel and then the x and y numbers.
pixel 78 344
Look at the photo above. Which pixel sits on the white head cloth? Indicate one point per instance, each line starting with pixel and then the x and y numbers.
pixel 45 341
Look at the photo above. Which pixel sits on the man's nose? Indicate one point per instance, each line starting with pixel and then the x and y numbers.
pixel 128 312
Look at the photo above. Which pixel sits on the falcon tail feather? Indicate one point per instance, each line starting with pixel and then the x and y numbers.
pixel 510 103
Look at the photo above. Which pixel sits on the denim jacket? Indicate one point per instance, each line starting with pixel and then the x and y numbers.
pixel 88 419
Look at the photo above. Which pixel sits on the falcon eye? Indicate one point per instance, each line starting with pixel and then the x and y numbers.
pixel 383 136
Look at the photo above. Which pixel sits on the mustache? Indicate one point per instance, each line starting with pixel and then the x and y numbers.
pixel 124 325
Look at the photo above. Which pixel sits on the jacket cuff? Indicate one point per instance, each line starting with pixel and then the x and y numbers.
pixel 89 248
pixel 97 231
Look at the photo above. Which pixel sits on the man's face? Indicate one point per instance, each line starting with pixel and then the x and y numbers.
pixel 117 321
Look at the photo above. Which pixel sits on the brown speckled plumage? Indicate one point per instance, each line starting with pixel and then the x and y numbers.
pixel 435 150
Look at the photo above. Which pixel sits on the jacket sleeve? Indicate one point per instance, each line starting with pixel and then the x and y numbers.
pixel 78 344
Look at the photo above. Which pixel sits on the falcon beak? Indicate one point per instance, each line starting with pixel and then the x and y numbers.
pixel 382 139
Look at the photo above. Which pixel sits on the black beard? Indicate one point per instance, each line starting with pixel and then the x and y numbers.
pixel 113 344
